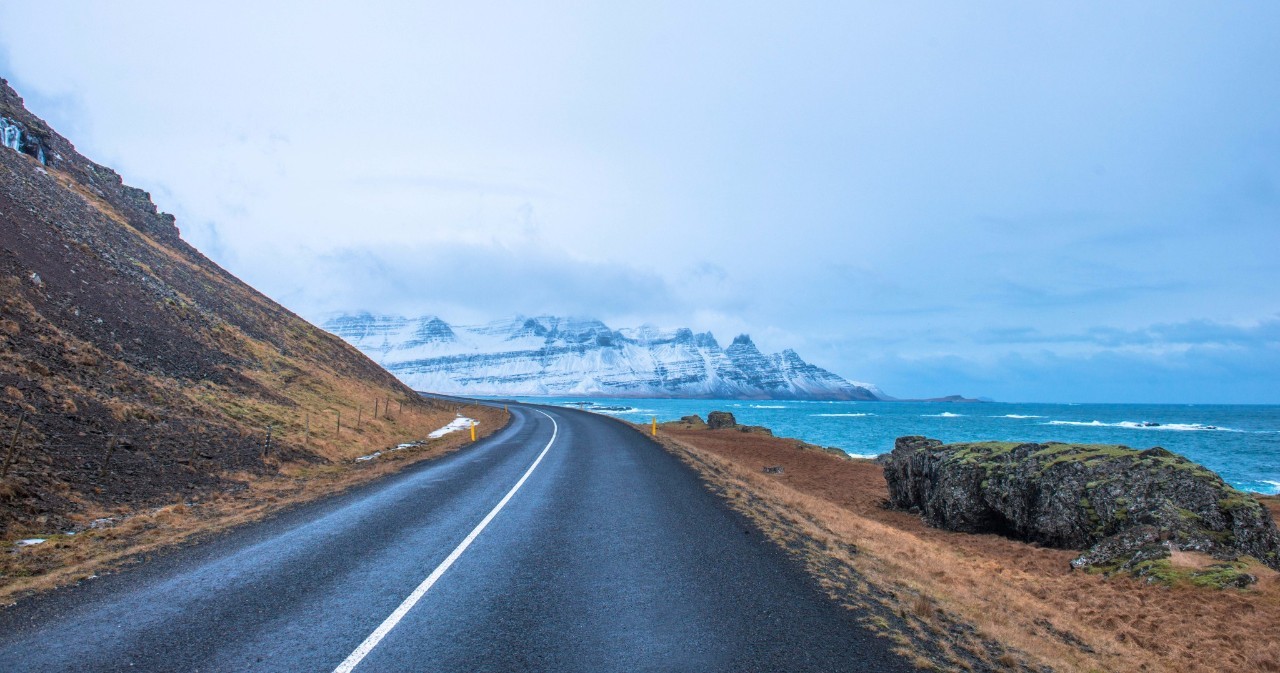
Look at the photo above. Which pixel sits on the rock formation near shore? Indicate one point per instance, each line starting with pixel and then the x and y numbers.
pixel 718 420
pixel 1122 506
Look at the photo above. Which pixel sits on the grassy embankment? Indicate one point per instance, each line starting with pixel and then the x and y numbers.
pixel 133 533
pixel 977 602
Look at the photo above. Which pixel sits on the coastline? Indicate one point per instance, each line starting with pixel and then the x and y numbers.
pixel 981 602
pixel 1239 442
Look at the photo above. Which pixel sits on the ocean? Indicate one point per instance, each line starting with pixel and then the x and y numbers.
pixel 1239 442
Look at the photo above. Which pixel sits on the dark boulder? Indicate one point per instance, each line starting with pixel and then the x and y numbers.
pixel 717 420
pixel 693 420
pixel 1123 507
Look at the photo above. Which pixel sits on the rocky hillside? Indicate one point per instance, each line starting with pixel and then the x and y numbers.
pixel 1128 509
pixel 559 356
pixel 132 368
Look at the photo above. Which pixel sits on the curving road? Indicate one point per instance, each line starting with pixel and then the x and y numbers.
pixel 564 542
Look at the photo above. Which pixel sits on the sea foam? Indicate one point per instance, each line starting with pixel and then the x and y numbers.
pixel 1131 425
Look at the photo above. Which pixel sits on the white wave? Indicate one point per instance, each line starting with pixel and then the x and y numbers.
pixel 945 414
pixel 626 410
pixel 842 415
pixel 767 406
pixel 1017 416
pixel 1131 425
pixel 1271 488
pixel 865 456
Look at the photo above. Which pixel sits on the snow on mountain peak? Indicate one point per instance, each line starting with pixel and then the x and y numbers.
pixel 549 355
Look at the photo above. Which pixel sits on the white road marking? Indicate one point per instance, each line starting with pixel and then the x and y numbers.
pixel 394 618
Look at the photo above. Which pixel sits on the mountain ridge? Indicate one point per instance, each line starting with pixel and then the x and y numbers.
pixel 551 355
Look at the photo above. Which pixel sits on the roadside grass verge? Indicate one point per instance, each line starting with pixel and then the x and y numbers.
pixel 111 538
pixel 954 601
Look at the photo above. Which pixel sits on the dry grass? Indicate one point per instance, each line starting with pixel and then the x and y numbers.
pixel 1019 596
pixel 65 559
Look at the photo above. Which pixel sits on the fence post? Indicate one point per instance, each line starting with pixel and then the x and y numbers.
pixel 306 433
pixel 359 417
pixel 13 444
pixel 375 407
pixel 266 448
pixel 339 423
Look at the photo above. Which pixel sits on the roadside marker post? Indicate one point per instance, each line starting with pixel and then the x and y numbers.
pixel 655 426
pixel 473 431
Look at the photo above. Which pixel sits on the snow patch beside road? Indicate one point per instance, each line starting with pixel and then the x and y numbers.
pixel 459 423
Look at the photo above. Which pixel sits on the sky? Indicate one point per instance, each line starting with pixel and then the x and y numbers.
pixel 1072 202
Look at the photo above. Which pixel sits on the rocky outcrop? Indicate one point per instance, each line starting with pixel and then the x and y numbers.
pixel 693 420
pixel 720 420
pixel 1123 507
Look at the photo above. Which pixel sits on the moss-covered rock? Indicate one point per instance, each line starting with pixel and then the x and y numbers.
pixel 693 420
pixel 718 420
pixel 1122 506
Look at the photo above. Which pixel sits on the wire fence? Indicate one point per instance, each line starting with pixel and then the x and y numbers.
pixel 32 441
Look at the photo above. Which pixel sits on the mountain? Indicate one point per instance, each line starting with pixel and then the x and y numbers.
pixel 561 356
pixel 134 370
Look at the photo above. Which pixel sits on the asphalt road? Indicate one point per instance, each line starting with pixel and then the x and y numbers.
pixel 565 542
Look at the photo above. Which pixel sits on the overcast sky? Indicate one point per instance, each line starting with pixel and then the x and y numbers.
pixel 1078 202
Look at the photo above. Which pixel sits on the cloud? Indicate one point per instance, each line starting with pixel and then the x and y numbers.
pixel 1200 333
pixel 1015 203
pixel 463 281
pixel 1199 361
pixel 445 183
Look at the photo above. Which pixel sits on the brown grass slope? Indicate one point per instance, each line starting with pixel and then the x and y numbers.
pixel 114 332
pixel 978 602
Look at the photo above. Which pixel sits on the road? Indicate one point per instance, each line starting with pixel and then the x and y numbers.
pixel 564 542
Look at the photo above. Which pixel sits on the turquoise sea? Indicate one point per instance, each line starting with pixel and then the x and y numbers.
pixel 1241 443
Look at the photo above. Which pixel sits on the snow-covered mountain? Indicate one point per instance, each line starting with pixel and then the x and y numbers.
pixel 562 356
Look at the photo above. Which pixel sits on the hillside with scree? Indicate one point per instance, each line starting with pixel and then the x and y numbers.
pixel 134 371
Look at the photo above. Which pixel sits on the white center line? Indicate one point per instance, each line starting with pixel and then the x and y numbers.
pixel 394 618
